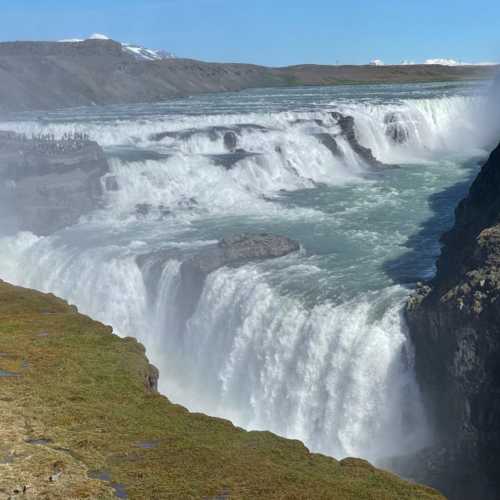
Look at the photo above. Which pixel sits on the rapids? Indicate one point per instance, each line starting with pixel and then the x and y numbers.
pixel 311 346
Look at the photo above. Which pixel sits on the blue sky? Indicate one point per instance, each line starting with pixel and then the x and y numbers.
pixel 272 32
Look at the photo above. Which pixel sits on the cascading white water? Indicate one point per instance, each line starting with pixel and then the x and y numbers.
pixel 184 181
pixel 267 362
pixel 285 151
pixel 433 127
pixel 437 124
pixel 312 346
pixel 337 376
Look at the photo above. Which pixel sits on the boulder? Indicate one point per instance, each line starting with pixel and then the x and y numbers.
pixel 237 250
pixel 230 141
pixel 256 246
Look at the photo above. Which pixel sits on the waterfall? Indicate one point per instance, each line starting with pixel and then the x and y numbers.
pixel 311 346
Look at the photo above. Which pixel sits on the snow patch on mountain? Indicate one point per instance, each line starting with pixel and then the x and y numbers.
pixel 98 36
pixel 146 54
pixel 139 52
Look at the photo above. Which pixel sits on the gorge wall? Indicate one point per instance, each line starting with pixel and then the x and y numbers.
pixel 48 183
pixel 454 322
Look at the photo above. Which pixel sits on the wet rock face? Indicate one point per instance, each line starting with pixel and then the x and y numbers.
pixel 231 160
pixel 256 246
pixel 395 128
pixel 346 124
pixel 454 322
pixel 229 135
pixel 230 141
pixel 305 121
pixel 237 250
pixel 231 251
pixel 330 143
pixel 47 184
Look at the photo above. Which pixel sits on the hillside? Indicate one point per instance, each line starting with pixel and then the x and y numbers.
pixel 81 419
pixel 49 75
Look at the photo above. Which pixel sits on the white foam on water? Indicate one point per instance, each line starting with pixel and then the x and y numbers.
pixel 200 185
pixel 434 125
pixel 337 375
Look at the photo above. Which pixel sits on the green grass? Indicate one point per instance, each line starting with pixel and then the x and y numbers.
pixel 82 389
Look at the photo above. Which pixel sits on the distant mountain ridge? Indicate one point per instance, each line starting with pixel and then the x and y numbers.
pixel 99 71
pixel 138 51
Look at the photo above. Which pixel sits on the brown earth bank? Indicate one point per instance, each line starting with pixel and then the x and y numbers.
pixel 454 322
pixel 49 75
pixel 81 418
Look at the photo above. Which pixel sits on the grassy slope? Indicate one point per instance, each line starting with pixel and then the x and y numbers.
pixel 82 390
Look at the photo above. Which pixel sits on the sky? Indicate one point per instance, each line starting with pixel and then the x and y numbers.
pixel 272 32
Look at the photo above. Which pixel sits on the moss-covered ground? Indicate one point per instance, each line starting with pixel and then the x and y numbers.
pixel 77 421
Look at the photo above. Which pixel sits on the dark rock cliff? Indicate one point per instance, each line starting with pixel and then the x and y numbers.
pixel 47 184
pixel 347 127
pixel 454 322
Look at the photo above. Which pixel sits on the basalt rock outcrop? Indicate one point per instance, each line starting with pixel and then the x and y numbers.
pixel 47 184
pixel 348 131
pixel 228 137
pixel 329 142
pixel 235 250
pixel 395 128
pixel 454 322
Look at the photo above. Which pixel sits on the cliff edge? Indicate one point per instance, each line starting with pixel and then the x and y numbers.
pixel 454 322
pixel 81 418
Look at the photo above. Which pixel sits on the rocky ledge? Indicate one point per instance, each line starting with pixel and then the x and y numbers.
pixel 230 251
pixel 347 128
pixel 454 322
pixel 81 419
pixel 239 249
pixel 46 183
